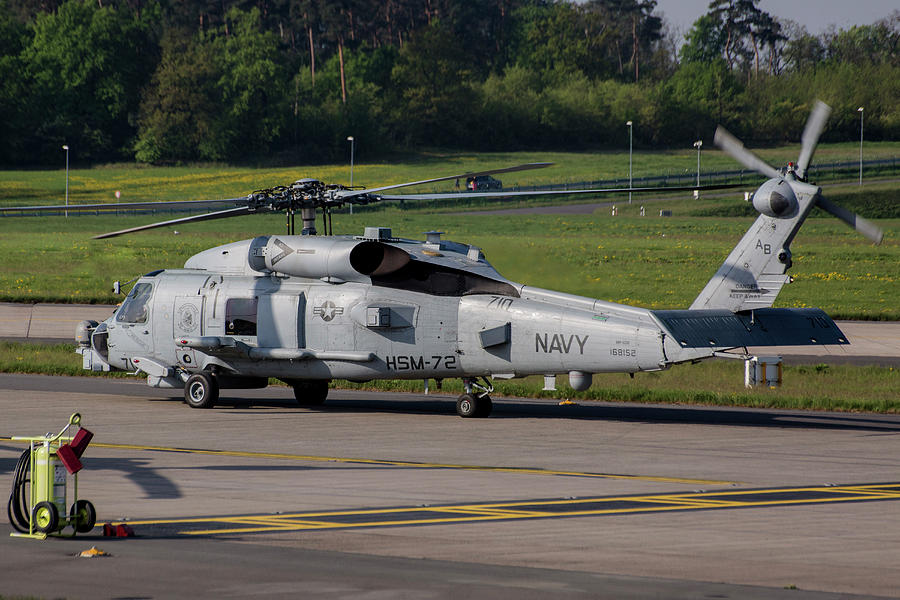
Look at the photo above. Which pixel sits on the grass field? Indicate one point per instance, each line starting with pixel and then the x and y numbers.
pixel 720 383
pixel 649 261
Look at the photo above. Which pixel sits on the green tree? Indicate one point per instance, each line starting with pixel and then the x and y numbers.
pixel 14 118
pixel 628 28
pixel 705 42
pixel 698 96
pixel 802 51
pixel 253 84
pixel 765 33
pixel 510 112
pixel 548 35
pixel 434 96
pixel 179 117
pixel 87 65
pixel 878 43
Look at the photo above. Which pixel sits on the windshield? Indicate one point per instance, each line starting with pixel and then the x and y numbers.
pixel 136 306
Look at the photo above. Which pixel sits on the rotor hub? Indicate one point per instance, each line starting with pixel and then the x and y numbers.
pixel 776 198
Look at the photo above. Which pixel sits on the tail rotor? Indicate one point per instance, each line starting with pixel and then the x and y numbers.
pixel 796 177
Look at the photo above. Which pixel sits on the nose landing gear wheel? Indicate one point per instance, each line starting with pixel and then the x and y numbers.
pixel 472 406
pixel 201 391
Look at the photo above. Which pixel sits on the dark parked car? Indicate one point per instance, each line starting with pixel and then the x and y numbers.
pixel 483 183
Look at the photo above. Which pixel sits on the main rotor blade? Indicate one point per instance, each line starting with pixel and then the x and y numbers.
pixel 641 190
pixel 814 126
pixel 166 205
pixel 222 214
pixel 738 152
pixel 342 195
pixel 864 226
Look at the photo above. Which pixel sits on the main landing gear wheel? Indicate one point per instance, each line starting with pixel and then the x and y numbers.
pixel 83 516
pixel 201 390
pixel 311 393
pixel 45 517
pixel 472 406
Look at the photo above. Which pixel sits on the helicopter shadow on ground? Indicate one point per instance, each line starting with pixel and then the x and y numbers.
pixel 529 409
pixel 726 416
pixel 153 484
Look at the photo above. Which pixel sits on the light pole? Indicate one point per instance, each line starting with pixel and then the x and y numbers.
pixel 66 148
pixel 352 147
pixel 698 144
pixel 861 113
pixel 629 159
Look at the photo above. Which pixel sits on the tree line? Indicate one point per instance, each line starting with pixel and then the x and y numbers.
pixel 168 81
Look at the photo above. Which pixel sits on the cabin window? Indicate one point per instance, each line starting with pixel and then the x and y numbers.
pixel 136 307
pixel 240 316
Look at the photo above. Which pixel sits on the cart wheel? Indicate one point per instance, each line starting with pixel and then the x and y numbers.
pixel 45 517
pixel 201 390
pixel 83 516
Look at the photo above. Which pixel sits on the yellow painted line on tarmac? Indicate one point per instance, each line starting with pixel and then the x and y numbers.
pixel 493 512
pixel 365 524
pixel 531 509
pixel 407 464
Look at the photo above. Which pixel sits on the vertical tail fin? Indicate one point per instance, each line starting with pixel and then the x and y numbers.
pixel 755 271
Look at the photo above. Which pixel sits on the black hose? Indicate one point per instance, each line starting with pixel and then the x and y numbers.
pixel 17 508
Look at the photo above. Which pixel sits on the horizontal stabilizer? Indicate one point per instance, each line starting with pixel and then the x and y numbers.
pixel 763 327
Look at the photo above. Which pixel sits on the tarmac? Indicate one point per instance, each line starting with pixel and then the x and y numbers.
pixel 394 496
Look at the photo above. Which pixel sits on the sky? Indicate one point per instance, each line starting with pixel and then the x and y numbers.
pixel 816 15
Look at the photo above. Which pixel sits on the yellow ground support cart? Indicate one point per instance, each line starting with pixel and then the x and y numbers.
pixel 37 504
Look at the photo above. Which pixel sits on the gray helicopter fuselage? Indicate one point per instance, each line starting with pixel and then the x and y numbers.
pixel 416 310
pixel 309 308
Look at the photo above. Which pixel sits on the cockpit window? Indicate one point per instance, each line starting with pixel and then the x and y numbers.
pixel 136 307
pixel 439 280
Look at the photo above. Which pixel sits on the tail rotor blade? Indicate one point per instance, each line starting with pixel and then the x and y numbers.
pixel 738 152
pixel 864 226
pixel 814 126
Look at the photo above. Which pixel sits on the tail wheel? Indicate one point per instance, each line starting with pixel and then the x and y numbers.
pixel 45 517
pixel 83 516
pixel 311 392
pixel 201 390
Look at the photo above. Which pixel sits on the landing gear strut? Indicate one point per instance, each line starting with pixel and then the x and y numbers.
pixel 476 402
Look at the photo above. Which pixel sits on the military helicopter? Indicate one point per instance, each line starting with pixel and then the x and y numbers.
pixel 307 309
